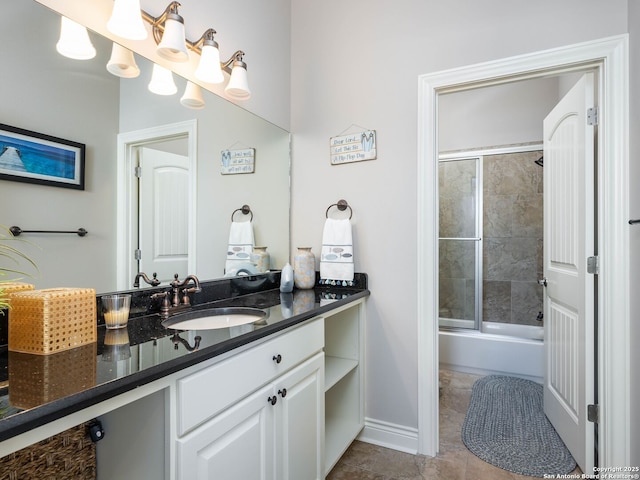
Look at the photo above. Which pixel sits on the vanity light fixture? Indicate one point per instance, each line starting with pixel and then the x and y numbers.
pixel 74 41
pixel 162 81
pixel 126 20
pixel 192 97
pixel 122 63
pixel 209 69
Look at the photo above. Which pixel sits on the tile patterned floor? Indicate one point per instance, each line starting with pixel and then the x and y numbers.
pixel 364 461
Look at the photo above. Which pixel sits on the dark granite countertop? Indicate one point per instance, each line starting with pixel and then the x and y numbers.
pixel 43 388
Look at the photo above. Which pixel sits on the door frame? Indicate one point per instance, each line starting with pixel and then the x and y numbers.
pixel 609 56
pixel 127 218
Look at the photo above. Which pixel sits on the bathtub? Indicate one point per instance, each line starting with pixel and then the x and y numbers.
pixel 500 348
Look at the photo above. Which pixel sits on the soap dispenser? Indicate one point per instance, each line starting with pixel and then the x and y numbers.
pixel 286 279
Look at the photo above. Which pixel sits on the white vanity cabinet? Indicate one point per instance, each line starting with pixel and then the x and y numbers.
pixel 256 415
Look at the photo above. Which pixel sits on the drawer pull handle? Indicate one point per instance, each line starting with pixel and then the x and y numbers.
pixel 283 392
pixel 277 358
pixel 272 400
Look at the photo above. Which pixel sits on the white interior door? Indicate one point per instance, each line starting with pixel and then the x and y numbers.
pixel 163 214
pixel 569 231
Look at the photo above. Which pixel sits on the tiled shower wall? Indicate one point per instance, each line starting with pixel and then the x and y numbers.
pixel 512 231
pixel 512 239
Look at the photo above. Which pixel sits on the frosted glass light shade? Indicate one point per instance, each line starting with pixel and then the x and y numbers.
pixel 74 41
pixel 192 97
pixel 122 63
pixel 126 20
pixel 238 86
pixel 173 45
pixel 209 67
pixel 162 81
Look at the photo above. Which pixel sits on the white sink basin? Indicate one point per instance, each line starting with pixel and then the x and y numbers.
pixel 213 318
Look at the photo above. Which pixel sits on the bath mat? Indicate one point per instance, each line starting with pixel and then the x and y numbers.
pixel 505 426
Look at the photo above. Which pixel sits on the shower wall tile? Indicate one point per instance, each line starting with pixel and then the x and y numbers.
pixel 457 259
pixel 510 259
pixel 527 216
pixel 526 302
pixel 496 301
pixel 453 298
pixel 498 215
pixel 511 174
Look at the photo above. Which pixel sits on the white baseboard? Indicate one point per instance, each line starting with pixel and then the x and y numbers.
pixel 389 435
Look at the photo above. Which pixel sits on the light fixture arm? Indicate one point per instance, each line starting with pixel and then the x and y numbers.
pixel 228 65
pixel 157 24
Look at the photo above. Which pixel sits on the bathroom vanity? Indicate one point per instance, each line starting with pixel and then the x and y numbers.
pixel 281 398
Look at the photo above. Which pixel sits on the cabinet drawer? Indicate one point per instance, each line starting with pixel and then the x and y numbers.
pixel 205 393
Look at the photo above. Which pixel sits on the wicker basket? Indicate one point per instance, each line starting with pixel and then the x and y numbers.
pixel 70 455
pixel 52 320
pixel 38 379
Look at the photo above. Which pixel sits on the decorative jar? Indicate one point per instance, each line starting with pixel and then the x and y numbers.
pixel 261 258
pixel 304 268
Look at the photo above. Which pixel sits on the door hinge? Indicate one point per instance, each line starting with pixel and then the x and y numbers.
pixel 137 171
pixel 137 254
pixel 593 413
pixel 593 265
pixel 592 116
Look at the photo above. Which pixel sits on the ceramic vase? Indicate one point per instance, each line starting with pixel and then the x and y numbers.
pixel 261 258
pixel 304 268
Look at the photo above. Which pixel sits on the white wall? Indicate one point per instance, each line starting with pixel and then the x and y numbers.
pixel 358 63
pixel 495 116
pixel 60 93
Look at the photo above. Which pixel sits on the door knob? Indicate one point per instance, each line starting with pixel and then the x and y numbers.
pixel 542 282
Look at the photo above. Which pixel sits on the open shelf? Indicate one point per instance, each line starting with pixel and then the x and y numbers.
pixel 335 369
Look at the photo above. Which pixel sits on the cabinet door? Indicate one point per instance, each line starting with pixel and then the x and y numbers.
pixel 236 444
pixel 300 422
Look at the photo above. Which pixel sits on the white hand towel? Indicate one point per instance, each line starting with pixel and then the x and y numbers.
pixel 240 246
pixel 336 260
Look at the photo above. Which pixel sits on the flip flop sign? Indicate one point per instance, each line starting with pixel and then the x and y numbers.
pixel 354 147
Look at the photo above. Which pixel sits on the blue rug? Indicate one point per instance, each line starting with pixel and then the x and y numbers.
pixel 505 426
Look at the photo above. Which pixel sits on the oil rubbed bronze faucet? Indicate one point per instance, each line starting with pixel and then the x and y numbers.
pixel 153 282
pixel 178 288
pixel 171 301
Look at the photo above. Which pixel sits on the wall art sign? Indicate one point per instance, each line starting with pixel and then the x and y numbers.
pixel 32 157
pixel 354 147
pixel 238 161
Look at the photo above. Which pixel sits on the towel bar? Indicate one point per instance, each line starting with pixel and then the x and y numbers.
pixel 342 205
pixel 16 231
pixel 633 222
pixel 246 210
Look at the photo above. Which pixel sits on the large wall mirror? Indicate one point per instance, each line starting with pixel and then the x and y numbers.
pixel 81 101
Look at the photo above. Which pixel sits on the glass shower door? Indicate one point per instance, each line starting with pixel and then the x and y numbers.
pixel 460 258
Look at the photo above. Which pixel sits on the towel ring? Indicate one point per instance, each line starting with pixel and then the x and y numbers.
pixel 245 211
pixel 342 205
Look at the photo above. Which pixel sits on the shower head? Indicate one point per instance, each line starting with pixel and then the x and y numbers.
pixel 539 162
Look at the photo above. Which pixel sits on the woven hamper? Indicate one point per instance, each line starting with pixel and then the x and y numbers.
pixel 70 455
pixel 52 320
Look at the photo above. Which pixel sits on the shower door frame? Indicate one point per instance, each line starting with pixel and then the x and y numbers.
pixel 477 318
pixel 470 155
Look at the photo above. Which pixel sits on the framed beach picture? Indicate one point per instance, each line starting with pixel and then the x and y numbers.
pixel 32 157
